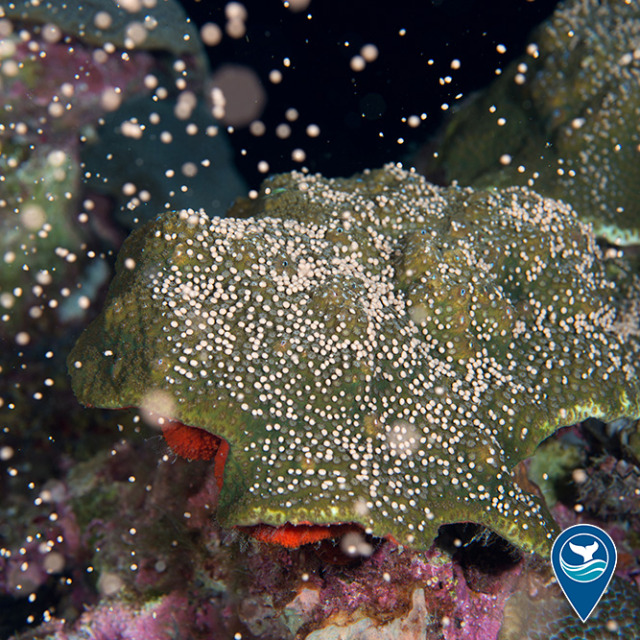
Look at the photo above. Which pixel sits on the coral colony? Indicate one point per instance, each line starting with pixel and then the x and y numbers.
pixel 348 407
pixel 375 350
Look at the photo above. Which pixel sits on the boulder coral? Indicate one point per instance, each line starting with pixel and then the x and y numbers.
pixel 374 350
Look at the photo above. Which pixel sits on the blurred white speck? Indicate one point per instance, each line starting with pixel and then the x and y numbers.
pixel 369 52
pixel 296 5
pixel 357 63
pixel 211 34
pixel 354 544
pixel 257 128
pixel 275 76
pixel 283 131
pixel 102 20
pixel 23 338
pixel 110 99
pixel 53 562
pixel 6 453
pixel 298 155
pixel 109 584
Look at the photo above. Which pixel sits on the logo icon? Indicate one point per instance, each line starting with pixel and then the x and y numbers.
pixel 583 558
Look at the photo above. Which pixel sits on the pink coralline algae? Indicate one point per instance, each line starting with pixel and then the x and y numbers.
pixel 452 604
pixel 67 86
pixel 160 619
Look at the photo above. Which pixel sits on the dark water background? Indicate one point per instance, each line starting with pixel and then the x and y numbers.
pixel 354 109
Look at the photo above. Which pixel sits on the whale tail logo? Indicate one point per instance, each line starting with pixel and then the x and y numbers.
pixel 583 558
pixel 586 552
pixel 590 568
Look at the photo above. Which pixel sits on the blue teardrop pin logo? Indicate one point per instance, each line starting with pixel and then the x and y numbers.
pixel 583 558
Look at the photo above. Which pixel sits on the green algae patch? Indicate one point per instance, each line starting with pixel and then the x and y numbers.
pixel 375 350
pixel 563 119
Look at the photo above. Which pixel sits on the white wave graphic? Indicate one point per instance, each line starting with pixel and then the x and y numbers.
pixel 587 572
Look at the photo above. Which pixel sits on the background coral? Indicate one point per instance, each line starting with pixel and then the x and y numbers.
pixel 563 119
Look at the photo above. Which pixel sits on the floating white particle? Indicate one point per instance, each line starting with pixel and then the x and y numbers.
pixel 283 131
pixel 102 20
pixel 357 63
pixel 51 33
pixel 296 5
pixel 298 155
pixel 313 130
pixel 22 338
pixel 110 98
pixel 109 583
pixel 135 34
pixel 128 189
pixel 150 81
pixel 189 169
pixel 275 76
pixel 6 453
pixel 211 34
pixel 369 52
pixel 32 216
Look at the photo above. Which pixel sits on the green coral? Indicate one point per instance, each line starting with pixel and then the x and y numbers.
pixel 563 119
pixel 37 228
pixel 552 466
pixel 374 349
